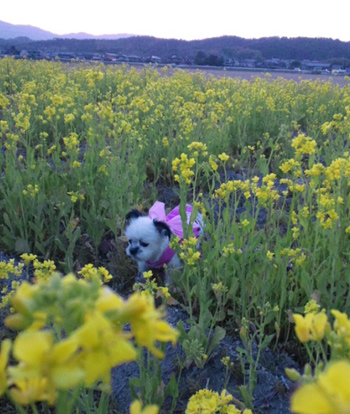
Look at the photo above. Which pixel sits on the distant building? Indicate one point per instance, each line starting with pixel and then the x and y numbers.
pixel 134 58
pixel 65 56
pixel 110 57
pixel 315 66
pixel 176 60
pixel 248 63
pixel 156 59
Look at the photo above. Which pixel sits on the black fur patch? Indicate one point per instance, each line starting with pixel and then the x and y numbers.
pixel 133 214
pixel 163 228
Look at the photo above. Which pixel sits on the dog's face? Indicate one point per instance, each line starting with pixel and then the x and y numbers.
pixel 147 238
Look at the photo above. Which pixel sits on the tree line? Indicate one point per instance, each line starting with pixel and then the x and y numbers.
pixel 224 47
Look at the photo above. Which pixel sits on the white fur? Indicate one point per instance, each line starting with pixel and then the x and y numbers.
pixel 142 230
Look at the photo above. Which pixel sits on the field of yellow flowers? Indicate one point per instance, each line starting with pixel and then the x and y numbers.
pixel 267 162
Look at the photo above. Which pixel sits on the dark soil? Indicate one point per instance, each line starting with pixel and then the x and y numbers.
pixel 271 393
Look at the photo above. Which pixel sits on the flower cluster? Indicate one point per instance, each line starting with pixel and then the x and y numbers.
pixel 189 253
pixel 211 402
pixel 184 164
pixel 89 272
pixel 303 144
pixel 67 325
pixel 326 391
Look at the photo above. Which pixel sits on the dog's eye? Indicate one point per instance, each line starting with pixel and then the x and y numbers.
pixel 143 244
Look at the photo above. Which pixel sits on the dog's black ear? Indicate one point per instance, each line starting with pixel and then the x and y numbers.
pixel 163 228
pixel 133 214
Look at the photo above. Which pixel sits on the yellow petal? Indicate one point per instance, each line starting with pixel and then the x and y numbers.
pixel 121 351
pixel 4 356
pixel 67 376
pixel 32 347
pixel 310 399
pixel 165 332
pixel 16 321
pixel 302 326
pixel 136 408
pixel 335 381
pixel 31 390
pixel 150 409
pixel 64 350
pixel 96 365
pixel 108 301
pixel 318 326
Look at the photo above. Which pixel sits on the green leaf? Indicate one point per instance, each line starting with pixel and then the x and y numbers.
pixel 218 335
pixel 266 341
pixel 22 246
pixel 241 351
pixel 181 329
pixel 7 220
pixel 172 388
pixel 40 247
pixel 134 383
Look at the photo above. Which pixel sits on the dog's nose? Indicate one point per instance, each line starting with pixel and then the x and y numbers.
pixel 134 250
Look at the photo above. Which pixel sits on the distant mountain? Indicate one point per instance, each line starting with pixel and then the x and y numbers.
pixel 84 36
pixel 12 31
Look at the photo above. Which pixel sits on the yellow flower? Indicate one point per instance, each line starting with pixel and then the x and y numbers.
pixel 146 323
pixel 100 341
pixel 148 275
pixel 329 394
pixel 210 402
pixel 4 102
pixel 108 300
pixel 4 356
pixel 89 272
pixel 341 324
pixel 311 307
pixel 225 361
pixel 136 408
pixel 31 390
pixel 40 358
pixel 311 327
pixel 69 118
pixel 224 157
pixel 28 257
pixel 212 163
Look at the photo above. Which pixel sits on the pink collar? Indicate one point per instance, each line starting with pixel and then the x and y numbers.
pixel 164 259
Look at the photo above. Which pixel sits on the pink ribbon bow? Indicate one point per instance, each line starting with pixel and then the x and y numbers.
pixel 173 219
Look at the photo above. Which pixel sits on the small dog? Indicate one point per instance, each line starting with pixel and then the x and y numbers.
pixel 149 236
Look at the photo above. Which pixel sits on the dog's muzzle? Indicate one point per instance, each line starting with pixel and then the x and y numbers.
pixel 133 251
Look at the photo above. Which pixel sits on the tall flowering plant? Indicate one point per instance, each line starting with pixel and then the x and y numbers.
pixel 72 333
pixel 326 388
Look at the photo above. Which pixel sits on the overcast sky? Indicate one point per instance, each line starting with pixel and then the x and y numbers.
pixel 185 19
